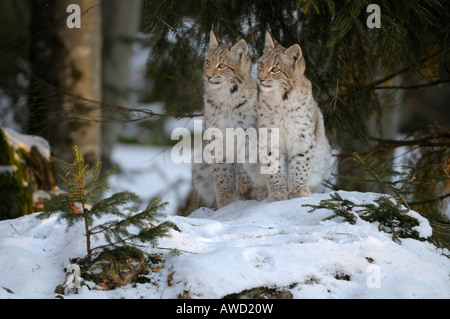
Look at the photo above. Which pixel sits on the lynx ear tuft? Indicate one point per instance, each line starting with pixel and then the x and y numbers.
pixel 213 43
pixel 270 42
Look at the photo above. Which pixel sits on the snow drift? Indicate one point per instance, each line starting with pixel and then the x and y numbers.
pixel 245 245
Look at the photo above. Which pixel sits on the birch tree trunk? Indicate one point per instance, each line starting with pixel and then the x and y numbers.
pixel 66 67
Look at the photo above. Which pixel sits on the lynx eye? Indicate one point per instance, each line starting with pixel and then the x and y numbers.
pixel 275 69
pixel 207 62
pixel 261 64
pixel 221 66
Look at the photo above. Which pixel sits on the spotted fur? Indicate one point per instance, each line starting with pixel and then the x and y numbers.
pixel 286 102
pixel 230 97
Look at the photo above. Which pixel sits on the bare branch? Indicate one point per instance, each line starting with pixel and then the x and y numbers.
pixel 407 87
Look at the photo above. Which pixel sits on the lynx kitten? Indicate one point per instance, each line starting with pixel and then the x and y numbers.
pixel 286 102
pixel 230 99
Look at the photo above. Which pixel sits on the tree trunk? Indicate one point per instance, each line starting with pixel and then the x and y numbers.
pixel 26 173
pixel 66 67
pixel 121 22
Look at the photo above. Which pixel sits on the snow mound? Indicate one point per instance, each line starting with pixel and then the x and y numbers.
pixel 18 140
pixel 245 245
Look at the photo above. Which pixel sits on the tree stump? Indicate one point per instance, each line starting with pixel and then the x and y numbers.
pixel 26 173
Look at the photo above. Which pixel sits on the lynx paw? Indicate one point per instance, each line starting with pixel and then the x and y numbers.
pixel 238 196
pixel 278 196
pixel 261 193
pixel 225 200
pixel 300 193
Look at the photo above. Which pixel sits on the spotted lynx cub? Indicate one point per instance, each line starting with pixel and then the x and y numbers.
pixel 230 97
pixel 286 102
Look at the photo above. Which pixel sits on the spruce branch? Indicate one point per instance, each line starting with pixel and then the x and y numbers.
pixel 413 86
pixel 435 140
pixel 422 181
pixel 372 170
pixel 391 216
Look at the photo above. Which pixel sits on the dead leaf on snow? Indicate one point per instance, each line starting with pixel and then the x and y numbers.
pixel 157 269
pixel 170 278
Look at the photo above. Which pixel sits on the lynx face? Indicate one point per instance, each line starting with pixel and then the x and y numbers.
pixel 225 66
pixel 280 68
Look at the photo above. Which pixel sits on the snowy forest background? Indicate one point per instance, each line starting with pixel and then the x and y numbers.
pixel 134 70
pixel 120 84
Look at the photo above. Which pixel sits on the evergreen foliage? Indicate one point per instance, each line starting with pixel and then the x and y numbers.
pixel 396 182
pixel 421 182
pixel 350 66
pixel 391 216
pixel 346 61
pixel 423 178
pixel 83 185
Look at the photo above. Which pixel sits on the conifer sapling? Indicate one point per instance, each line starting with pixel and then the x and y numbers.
pixel 78 205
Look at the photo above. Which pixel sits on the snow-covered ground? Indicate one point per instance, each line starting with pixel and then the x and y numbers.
pixel 245 245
